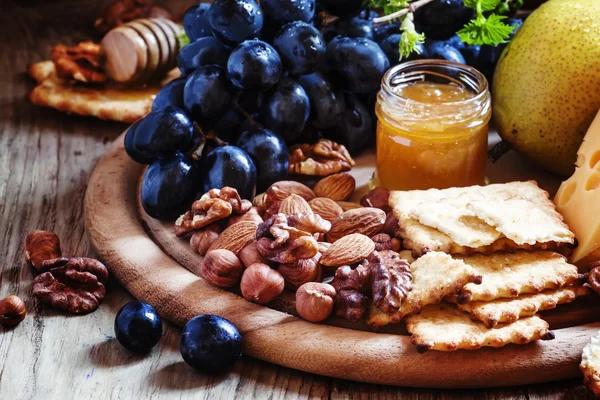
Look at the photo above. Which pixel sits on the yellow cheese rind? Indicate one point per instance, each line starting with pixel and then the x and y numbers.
pixel 578 199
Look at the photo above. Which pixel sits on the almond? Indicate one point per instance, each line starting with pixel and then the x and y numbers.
pixel 259 200
pixel 236 237
pixel 336 186
pixel 326 208
pixel 348 205
pixel 348 250
pixel 294 204
pixel 366 220
pixel 282 189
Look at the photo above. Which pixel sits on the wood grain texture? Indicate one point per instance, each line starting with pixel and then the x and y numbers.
pixel 45 163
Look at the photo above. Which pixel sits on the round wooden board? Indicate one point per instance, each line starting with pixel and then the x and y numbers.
pixel 123 240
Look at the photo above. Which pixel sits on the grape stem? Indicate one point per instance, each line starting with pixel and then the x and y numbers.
pixel 412 7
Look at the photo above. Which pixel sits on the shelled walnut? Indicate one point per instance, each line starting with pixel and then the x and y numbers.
pixel 321 159
pixel 122 11
pixel 279 242
pixel 73 284
pixel 214 205
pixel 351 287
pixel 83 63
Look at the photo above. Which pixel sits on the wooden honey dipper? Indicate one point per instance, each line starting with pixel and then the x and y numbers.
pixel 141 51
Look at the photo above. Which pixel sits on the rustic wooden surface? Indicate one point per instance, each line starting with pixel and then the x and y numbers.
pixel 45 161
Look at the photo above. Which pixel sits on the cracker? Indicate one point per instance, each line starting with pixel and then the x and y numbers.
pixel 509 310
pixel 124 105
pixel 435 275
pixel 443 327
pixel 481 219
pixel 511 274
pixel 590 365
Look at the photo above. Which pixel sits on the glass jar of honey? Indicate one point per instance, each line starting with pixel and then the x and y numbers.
pixel 432 126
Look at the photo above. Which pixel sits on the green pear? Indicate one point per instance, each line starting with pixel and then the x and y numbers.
pixel 546 88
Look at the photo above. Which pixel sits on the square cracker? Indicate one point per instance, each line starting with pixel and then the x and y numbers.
pixel 435 275
pixel 479 219
pixel 590 365
pixel 509 310
pixel 123 105
pixel 443 327
pixel 512 274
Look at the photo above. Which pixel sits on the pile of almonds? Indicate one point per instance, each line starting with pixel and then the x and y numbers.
pixel 293 237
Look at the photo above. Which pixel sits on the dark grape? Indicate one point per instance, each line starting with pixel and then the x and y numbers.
pixel 195 21
pixel 443 51
pixel 210 344
pixel 441 19
pixel 162 133
pixel 270 155
pixel 455 42
pixel 490 55
pixel 280 12
pixel 356 128
pixel 310 134
pixel 132 152
pixel 368 14
pixel 229 166
pixel 170 95
pixel 288 109
pixel 358 62
pixel 301 47
pixel 349 26
pixel 227 128
pixel 170 186
pixel 381 32
pixel 203 51
pixel 327 104
pixel 233 21
pixel 342 7
pixel 254 65
pixel 251 101
pixel 207 94
pixel 138 327
pixel 471 54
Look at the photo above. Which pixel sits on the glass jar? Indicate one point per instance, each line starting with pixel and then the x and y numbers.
pixel 432 126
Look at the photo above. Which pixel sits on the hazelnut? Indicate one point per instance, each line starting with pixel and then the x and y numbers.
pixel 314 301
pixel 261 284
pixel 391 224
pixel 202 240
pixel 221 268
pixel 249 255
pixel 396 244
pixel 12 311
pixel 302 271
pixel 377 198
pixel 41 246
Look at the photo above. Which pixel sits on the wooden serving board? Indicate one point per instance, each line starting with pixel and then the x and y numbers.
pixel 144 255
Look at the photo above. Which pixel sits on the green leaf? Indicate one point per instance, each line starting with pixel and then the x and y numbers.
pixel 182 38
pixel 486 5
pixel 410 37
pixel 489 31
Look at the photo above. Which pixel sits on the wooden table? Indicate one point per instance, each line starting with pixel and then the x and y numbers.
pixel 46 158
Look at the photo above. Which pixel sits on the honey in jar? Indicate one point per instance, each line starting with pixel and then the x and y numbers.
pixel 432 126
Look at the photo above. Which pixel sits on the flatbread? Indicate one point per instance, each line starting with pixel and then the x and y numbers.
pixel 590 365
pixel 435 275
pixel 479 219
pixel 111 103
pixel 443 327
pixel 512 274
pixel 509 310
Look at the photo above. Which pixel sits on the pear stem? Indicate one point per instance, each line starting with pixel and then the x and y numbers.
pixel 500 149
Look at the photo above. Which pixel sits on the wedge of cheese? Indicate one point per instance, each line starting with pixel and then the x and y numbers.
pixel 578 199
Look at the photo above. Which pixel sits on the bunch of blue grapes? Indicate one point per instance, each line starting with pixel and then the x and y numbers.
pixel 256 79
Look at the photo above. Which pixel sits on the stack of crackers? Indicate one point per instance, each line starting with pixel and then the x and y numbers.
pixel 486 260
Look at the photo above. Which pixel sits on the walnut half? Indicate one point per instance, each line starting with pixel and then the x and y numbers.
pixel 83 63
pixel 321 159
pixel 279 242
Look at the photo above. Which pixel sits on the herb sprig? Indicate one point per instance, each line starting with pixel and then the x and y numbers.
pixel 481 30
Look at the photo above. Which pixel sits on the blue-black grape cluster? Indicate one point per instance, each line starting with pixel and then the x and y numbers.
pixel 439 21
pixel 260 78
